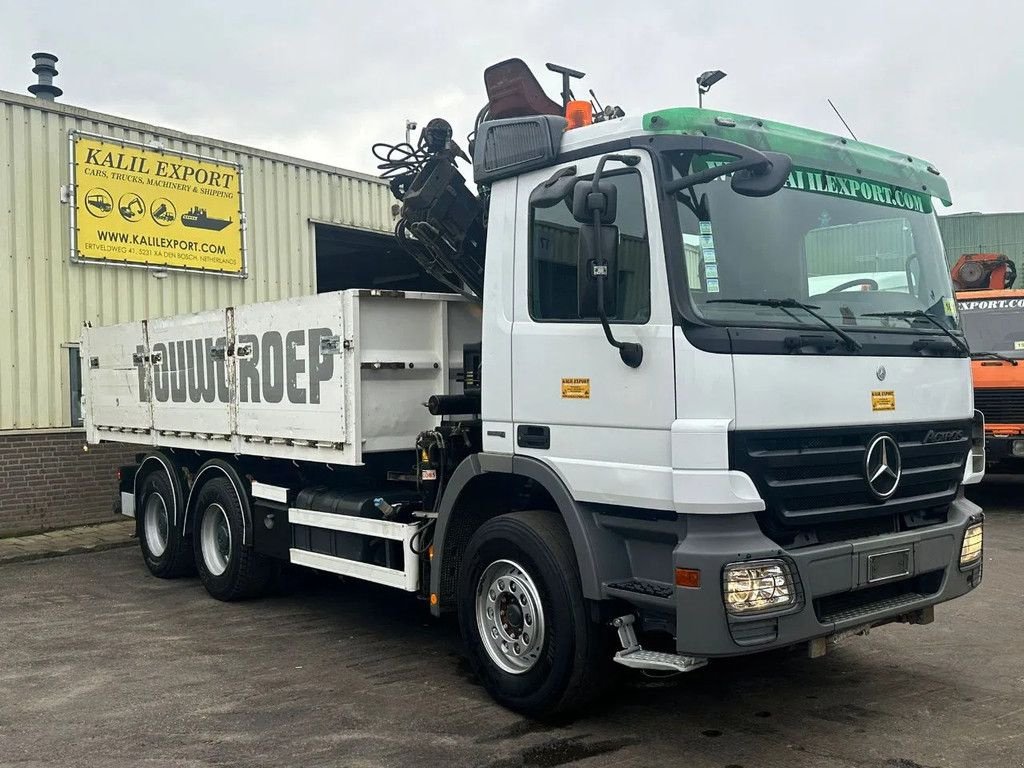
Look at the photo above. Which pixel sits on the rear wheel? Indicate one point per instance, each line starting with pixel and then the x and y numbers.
pixel 165 550
pixel 229 570
pixel 524 619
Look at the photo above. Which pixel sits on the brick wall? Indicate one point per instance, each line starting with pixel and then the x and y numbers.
pixel 48 481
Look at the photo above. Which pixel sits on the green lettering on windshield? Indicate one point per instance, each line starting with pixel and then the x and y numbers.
pixel 840 185
pixel 850 187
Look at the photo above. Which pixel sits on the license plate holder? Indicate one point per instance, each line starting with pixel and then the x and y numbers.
pixel 883 566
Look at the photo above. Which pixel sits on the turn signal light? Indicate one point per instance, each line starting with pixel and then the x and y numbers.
pixel 688 577
pixel 578 113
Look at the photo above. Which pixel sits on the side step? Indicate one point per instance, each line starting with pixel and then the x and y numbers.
pixel 635 657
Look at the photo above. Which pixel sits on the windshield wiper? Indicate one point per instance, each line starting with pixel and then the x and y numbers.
pixel 993 356
pixel 909 314
pixel 786 304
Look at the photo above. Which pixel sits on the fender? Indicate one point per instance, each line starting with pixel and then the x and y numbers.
pixel 177 492
pixel 215 467
pixel 578 524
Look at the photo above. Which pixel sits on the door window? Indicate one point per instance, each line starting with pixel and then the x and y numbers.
pixel 554 251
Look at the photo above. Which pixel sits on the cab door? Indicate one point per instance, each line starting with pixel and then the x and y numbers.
pixel 603 426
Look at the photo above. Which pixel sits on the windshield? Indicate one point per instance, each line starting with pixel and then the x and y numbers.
pixel 994 325
pixel 848 247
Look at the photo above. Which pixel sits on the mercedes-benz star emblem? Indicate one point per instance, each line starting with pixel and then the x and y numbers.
pixel 883 466
pixel 880 373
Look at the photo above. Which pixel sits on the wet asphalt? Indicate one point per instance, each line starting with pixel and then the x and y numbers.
pixel 103 665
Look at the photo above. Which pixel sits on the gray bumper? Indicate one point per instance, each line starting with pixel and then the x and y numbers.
pixel 834 593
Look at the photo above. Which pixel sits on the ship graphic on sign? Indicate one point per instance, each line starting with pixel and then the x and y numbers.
pixel 197 218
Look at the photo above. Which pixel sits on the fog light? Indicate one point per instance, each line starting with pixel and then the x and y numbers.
pixel 970 551
pixel 762 585
pixel 1017 448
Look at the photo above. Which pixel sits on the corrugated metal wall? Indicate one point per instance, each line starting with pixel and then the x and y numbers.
pixel 44 298
pixel 881 245
pixel 984 233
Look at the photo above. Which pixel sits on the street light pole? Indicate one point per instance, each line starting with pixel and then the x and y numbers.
pixel 410 126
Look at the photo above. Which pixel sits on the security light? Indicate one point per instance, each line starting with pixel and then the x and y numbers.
pixel 705 81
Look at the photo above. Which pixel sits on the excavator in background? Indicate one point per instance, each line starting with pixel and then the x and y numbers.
pixel 992 316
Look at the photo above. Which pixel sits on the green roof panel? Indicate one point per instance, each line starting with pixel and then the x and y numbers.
pixel 807 147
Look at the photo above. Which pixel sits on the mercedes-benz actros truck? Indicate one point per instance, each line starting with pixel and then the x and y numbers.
pixel 640 429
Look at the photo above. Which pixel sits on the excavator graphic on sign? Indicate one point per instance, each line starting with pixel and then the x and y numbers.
pixel 131 207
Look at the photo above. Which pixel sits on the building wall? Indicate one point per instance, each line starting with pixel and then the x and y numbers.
pixel 49 480
pixel 44 298
pixel 985 233
pixel 46 479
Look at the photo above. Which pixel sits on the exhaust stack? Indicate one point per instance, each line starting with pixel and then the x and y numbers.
pixel 46 70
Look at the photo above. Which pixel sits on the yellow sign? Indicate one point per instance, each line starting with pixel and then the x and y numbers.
pixel 576 389
pixel 883 400
pixel 143 206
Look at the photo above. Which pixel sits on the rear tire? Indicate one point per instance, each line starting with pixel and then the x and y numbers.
pixel 165 550
pixel 524 619
pixel 228 569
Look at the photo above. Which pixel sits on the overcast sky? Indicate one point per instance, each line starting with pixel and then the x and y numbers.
pixel 324 80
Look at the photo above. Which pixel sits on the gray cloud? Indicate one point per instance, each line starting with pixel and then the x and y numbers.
pixel 324 80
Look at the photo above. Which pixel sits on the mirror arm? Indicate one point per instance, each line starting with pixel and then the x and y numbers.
pixel 709 174
pixel 631 353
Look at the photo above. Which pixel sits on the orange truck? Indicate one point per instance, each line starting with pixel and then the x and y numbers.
pixel 992 317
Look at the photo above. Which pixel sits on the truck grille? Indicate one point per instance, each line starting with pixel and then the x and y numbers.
pixel 814 476
pixel 1000 406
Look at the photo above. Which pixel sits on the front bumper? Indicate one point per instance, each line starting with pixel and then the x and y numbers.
pixel 999 447
pixel 834 593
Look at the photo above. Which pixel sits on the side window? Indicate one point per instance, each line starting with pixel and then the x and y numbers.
pixel 75 385
pixel 554 248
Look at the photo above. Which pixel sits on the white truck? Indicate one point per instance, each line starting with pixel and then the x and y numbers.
pixel 636 431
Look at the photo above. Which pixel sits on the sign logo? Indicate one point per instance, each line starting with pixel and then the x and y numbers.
pixel 880 373
pixel 883 466
pixel 137 205
pixel 943 435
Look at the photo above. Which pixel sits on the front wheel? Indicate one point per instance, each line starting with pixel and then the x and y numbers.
pixel 524 619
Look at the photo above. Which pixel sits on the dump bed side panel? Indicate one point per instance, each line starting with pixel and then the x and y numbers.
pixel 191 383
pixel 115 377
pixel 289 368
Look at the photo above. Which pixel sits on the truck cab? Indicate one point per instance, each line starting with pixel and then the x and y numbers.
pixel 993 322
pixel 786 461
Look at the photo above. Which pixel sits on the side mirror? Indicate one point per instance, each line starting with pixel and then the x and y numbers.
pixel 764 179
pixel 597 259
pixel 559 188
pixel 586 200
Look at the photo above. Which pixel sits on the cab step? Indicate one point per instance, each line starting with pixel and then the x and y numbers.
pixel 635 657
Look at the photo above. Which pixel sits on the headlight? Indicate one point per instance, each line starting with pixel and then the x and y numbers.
pixel 970 551
pixel 763 585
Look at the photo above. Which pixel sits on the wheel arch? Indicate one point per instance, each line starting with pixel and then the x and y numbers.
pixel 209 470
pixel 461 512
pixel 158 461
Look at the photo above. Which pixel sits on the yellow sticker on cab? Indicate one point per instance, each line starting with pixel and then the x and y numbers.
pixel 576 388
pixel 883 400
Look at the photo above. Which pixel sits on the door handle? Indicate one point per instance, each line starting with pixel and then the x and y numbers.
pixel 533 436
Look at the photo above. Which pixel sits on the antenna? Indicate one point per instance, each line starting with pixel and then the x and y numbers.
pixel 843 121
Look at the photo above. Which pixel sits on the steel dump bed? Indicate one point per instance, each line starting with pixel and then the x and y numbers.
pixel 319 378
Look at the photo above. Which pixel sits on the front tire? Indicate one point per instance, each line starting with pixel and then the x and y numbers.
pixel 524 619
pixel 165 550
pixel 228 569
